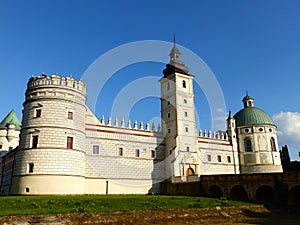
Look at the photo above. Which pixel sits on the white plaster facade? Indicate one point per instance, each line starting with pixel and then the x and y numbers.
pixel 65 149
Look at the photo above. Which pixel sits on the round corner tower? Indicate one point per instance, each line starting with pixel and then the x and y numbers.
pixel 257 140
pixel 51 156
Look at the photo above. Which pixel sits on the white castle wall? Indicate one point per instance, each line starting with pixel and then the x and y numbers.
pixel 127 173
pixel 217 156
pixel 59 170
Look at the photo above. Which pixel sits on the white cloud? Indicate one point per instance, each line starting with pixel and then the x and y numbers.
pixel 288 130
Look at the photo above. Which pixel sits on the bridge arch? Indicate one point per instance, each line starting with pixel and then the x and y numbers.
pixel 215 192
pixel 238 192
pixel 294 196
pixel 265 194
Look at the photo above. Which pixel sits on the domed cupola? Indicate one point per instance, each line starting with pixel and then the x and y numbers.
pixel 256 139
pixel 251 115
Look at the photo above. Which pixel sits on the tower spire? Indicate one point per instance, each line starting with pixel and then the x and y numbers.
pixel 175 64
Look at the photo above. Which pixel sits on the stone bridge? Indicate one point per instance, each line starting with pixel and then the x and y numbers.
pixel 275 188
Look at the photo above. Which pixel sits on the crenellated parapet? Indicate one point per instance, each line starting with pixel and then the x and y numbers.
pixel 54 86
pixel 220 135
pixel 135 125
pixel 57 80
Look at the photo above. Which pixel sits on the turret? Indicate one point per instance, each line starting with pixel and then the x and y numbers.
pixel 52 139
pixel 231 127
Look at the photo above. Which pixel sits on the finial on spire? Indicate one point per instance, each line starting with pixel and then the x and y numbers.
pixel 229 115
pixel 246 93
pixel 174 39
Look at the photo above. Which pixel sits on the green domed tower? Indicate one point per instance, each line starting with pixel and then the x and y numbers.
pixel 257 140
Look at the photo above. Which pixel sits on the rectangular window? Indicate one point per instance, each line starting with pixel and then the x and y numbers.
pixel 96 149
pixel 34 141
pixel 185 114
pixel 186 129
pixel 30 167
pixel 0 146
pixel 169 130
pixel 70 115
pixel 69 142
pixel 169 115
pixel 168 102
pixel 219 158
pixel 228 159
pixel 27 189
pixel 152 153
pixel 38 113
pixel 209 158
pixel 187 148
pixel 137 153
pixel 184 101
pixel 120 151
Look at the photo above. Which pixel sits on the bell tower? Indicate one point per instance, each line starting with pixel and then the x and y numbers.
pixel 178 118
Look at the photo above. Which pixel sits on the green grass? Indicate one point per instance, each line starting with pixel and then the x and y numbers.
pixel 21 205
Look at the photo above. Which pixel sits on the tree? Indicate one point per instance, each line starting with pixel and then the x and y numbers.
pixel 285 158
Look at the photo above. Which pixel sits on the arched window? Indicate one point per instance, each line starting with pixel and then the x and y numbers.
pixel 184 84
pixel 273 144
pixel 248 145
pixel 190 172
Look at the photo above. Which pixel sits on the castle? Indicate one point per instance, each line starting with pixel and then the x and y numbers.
pixel 61 147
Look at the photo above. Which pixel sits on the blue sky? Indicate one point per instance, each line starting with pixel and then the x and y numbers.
pixel 249 45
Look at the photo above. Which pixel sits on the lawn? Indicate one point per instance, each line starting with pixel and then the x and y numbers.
pixel 22 205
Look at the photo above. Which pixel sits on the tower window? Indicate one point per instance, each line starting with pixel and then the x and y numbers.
pixel 186 129
pixel 169 115
pixel 248 145
pixel 0 146
pixel 169 130
pixel 120 152
pixel 228 159
pixel 38 113
pixel 273 145
pixel 69 142
pixel 187 148
pixel 184 101
pixel 219 158
pixel 70 115
pixel 34 141
pixel 96 149
pixel 184 84
pixel 30 167
pixel 185 114
pixel 209 158
pixel 168 86
pixel 152 153
pixel 137 153
pixel 168 102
